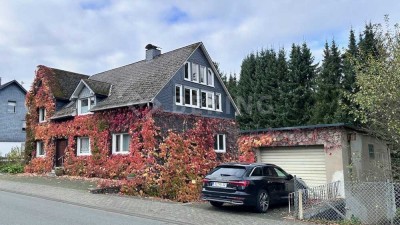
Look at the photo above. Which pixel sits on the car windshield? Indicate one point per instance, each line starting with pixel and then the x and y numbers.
pixel 228 171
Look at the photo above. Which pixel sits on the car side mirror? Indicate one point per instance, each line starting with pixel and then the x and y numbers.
pixel 289 177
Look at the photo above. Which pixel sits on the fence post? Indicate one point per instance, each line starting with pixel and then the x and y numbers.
pixel 300 204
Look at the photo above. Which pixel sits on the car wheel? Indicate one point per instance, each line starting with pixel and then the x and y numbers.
pixel 216 204
pixel 262 201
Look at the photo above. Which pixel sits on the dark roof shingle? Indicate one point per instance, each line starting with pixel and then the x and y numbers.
pixel 98 87
pixel 63 83
pixel 131 84
pixel 140 82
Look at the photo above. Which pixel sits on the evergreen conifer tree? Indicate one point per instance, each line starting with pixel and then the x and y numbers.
pixel 328 92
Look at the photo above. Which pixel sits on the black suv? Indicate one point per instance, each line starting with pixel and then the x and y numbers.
pixel 255 184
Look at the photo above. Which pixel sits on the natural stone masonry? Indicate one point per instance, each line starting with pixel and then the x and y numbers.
pixel 169 212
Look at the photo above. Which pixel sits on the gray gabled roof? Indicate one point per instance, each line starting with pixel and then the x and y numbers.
pixel 136 83
pixel 3 86
pixel 139 82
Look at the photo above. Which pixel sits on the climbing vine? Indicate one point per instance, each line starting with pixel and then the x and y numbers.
pixel 169 153
pixel 329 138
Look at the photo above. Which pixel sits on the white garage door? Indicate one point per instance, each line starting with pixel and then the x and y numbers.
pixel 306 162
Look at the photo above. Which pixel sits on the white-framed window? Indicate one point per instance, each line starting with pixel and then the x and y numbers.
pixel 85 104
pixel 218 102
pixel 195 72
pixel 23 125
pixel 178 94
pixel 220 143
pixel 202 75
pixel 187 71
pixel 121 143
pixel 192 96
pixel 42 115
pixel 207 100
pixel 83 146
pixel 11 107
pixel 210 77
pixel 40 149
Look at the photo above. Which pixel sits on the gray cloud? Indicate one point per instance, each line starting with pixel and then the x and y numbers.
pixel 92 36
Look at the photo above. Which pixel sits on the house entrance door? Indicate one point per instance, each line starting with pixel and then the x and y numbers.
pixel 61 145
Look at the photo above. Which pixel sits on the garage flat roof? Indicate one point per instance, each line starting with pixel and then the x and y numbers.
pixel 343 125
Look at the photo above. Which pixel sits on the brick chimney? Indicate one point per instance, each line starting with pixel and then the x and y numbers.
pixel 152 51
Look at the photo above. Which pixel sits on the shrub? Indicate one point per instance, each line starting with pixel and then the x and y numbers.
pixel 12 168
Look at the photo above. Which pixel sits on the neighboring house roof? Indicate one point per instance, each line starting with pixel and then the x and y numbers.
pixel 3 86
pixel 340 125
pixel 63 83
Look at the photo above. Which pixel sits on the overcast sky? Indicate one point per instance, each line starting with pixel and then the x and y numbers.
pixel 92 36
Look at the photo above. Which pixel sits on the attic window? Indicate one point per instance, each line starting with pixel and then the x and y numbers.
pixel 85 104
pixel 195 72
pixel 187 71
pixel 202 75
pixel 218 102
pixel 210 78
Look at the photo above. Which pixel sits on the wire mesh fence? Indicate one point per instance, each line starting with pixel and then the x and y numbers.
pixel 356 202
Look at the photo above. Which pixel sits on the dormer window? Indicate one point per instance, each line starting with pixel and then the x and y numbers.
pixel 85 104
pixel 42 115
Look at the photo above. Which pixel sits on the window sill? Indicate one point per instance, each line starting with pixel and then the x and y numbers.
pixel 43 121
pixel 220 151
pixel 197 107
pixel 192 106
pixel 120 153
pixel 83 154
pixel 84 114
pixel 40 156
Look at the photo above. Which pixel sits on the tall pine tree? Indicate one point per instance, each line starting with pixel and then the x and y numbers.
pixel 328 92
pixel 245 92
pixel 299 96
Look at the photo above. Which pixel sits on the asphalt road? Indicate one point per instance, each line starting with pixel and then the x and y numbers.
pixel 16 209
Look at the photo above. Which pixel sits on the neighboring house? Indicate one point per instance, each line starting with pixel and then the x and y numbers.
pixel 68 110
pixel 322 154
pixel 12 117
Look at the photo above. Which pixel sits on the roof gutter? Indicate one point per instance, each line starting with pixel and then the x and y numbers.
pixel 317 126
pixel 120 105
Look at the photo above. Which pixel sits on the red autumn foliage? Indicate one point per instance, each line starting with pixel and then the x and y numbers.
pixel 162 163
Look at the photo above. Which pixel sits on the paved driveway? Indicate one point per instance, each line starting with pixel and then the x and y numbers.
pixel 168 212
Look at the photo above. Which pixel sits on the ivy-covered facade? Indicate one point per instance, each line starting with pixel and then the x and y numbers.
pixel 164 121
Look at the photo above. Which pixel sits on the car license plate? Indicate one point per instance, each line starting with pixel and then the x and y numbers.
pixel 219 184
